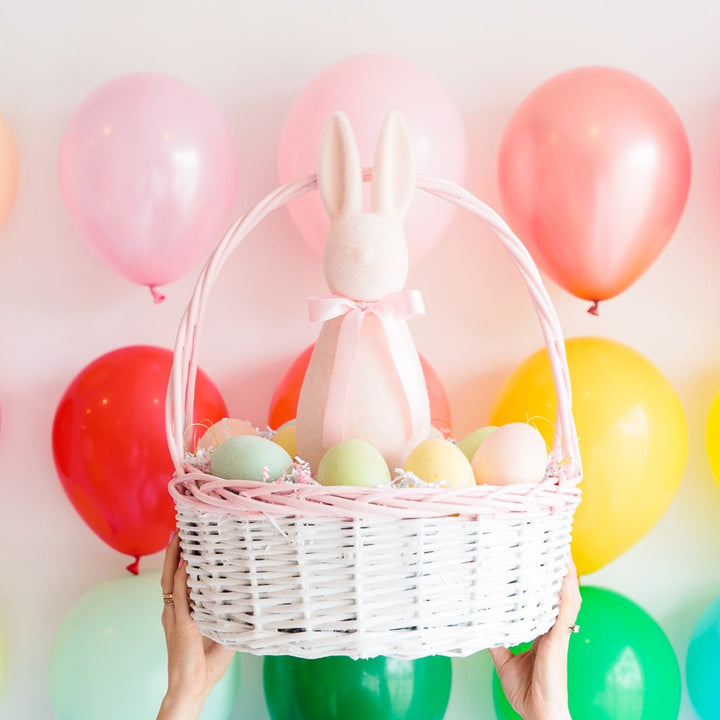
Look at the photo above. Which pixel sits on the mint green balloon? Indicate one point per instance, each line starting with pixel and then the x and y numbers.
pixel 109 659
pixel 3 662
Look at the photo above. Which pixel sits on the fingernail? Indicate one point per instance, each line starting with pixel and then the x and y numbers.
pixel 173 533
pixel 182 563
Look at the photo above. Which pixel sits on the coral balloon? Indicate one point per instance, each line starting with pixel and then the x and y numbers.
pixel 703 663
pixel 632 434
pixel 109 659
pixel 594 171
pixel 9 170
pixel 110 446
pixel 283 405
pixel 334 688
pixel 148 170
pixel 713 437
pixel 366 88
pixel 621 666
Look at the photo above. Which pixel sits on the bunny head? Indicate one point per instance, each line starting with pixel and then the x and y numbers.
pixel 366 256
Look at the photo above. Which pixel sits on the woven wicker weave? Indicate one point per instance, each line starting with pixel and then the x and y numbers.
pixel 313 571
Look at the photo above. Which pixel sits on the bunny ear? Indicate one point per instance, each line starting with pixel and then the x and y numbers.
pixel 339 172
pixel 393 180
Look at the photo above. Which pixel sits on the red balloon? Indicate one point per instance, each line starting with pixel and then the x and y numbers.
pixel 594 172
pixel 283 406
pixel 111 451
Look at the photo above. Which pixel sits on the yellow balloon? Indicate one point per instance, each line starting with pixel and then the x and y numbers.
pixel 632 434
pixel 713 437
pixel 9 170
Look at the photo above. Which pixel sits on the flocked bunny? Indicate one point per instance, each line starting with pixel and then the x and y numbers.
pixel 365 379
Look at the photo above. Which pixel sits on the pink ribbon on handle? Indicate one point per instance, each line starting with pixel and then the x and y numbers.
pixel 389 309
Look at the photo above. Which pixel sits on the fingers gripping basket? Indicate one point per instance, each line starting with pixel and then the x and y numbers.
pixel 312 571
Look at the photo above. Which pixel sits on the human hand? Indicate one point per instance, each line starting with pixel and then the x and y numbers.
pixel 535 681
pixel 195 663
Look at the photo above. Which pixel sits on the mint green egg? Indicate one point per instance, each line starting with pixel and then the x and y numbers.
pixel 471 442
pixel 249 457
pixel 353 462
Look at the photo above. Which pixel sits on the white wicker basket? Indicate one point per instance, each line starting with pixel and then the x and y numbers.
pixel 312 571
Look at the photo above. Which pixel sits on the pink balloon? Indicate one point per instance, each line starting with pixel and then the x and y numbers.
pixel 148 170
pixel 594 171
pixel 366 88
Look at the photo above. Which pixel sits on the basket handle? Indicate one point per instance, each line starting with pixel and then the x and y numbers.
pixel 181 388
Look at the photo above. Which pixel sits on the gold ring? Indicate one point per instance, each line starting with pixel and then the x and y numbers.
pixel 574 628
pixel 168 599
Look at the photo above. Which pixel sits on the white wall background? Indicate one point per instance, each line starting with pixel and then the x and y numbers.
pixel 60 307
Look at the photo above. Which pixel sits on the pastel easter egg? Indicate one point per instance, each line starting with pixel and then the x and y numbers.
pixel 286 437
pixel 437 460
pixel 353 462
pixel 249 457
pixel 514 453
pixel 471 442
pixel 223 430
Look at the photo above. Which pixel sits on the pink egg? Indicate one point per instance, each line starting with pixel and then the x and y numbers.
pixel 223 430
pixel 514 453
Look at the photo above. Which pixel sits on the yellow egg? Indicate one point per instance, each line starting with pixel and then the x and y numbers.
pixel 223 430
pixel 470 443
pixel 286 438
pixel 437 460
pixel 353 462
pixel 514 453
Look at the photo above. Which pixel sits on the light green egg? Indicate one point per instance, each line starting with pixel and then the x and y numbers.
pixel 353 462
pixel 249 457
pixel 471 442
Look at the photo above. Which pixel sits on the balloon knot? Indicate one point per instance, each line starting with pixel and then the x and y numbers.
pixel 593 309
pixel 134 568
pixel 158 297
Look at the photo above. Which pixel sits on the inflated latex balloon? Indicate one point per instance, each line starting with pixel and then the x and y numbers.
pixel 713 437
pixel 632 434
pixel 148 170
pixel 283 406
pixel 594 172
pixel 621 666
pixel 339 688
pixel 3 662
pixel 9 170
pixel 702 668
pixel 366 88
pixel 110 446
pixel 109 659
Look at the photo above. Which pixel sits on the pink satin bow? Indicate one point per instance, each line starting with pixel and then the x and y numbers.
pixel 389 309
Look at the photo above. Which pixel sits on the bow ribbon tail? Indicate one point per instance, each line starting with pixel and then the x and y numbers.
pixel 339 386
pixel 404 363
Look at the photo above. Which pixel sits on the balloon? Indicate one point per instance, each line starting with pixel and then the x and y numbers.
pixel 9 170
pixel 3 662
pixel 109 660
pixel 148 170
pixel 702 667
pixel 283 405
pixel 594 172
pixel 366 87
pixel 110 446
pixel 621 665
pixel 632 433
pixel 713 437
pixel 334 688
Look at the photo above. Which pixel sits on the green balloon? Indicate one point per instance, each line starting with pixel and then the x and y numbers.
pixel 621 665
pixel 339 688
pixel 109 659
